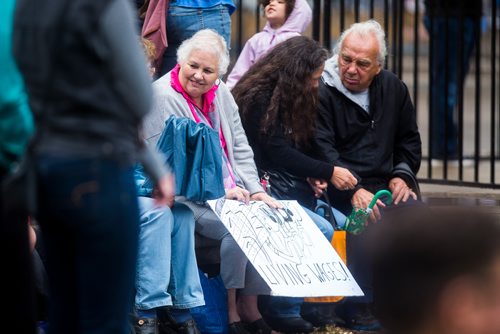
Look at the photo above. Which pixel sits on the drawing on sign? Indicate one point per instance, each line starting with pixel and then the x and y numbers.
pixel 268 231
pixel 286 248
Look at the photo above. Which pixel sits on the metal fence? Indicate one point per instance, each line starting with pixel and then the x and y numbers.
pixel 412 55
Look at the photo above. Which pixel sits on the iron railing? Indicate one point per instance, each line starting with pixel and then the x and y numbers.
pixel 410 57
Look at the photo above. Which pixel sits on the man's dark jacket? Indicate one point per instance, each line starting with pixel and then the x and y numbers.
pixel 371 144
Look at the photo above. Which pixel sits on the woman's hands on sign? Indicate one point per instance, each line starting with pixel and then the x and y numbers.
pixel 238 194
pixel 342 179
pixel 262 196
pixel 243 195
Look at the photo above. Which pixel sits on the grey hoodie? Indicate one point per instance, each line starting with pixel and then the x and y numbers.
pixel 331 77
pixel 259 44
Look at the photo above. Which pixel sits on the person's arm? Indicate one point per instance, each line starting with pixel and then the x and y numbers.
pixel 127 61
pixel 283 154
pixel 244 158
pixel 407 150
pixel 152 162
pixel 159 173
pixel 325 133
pixel 280 150
pixel 325 129
pixel 16 120
pixel 245 60
pixel 408 146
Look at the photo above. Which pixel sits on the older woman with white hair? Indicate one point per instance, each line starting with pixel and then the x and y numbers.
pixel 193 90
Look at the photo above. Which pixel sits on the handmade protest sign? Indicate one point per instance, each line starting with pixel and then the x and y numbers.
pixel 287 249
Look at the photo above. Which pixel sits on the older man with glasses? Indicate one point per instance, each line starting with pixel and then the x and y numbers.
pixel 366 123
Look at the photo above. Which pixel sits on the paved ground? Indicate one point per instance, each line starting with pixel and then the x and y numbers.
pixel 482 196
pixel 339 330
pixel 334 330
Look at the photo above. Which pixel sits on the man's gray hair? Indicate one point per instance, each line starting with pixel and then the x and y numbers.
pixel 363 29
pixel 206 40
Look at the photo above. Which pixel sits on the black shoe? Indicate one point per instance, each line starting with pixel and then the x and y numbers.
pixel 146 326
pixel 168 325
pixel 363 322
pixel 188 327
pixel 290 324
pixel 258 326
pixel 320 314
pixel 359 317
pixel 237 328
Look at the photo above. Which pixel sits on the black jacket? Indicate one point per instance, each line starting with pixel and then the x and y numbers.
pixel 287 164
pixel 85 74
pixel 370 145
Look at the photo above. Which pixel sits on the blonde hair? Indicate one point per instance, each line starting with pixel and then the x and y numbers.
pixel 149 49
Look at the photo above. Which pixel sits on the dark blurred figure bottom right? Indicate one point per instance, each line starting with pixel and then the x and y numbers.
pixel 436 270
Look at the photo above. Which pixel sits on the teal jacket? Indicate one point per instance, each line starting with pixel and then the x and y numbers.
pixel 16 121
pixel 194 153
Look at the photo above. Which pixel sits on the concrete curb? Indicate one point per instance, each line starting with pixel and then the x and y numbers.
pixel 447 191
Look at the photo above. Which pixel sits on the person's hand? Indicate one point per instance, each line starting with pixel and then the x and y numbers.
pixel 342 179
pixel 318 186
pixel 164 191
pixel 238 194
pixel 31 236
pixel 362 198
pixel 400 190
pixel 262 196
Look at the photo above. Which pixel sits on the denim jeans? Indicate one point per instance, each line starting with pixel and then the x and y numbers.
pixel 324 225
pixel 287 307
pixel 184 22
pixel 445 37
pixel 89 218
pixel 167 273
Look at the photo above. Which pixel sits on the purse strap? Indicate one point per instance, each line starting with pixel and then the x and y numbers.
pixel 327 207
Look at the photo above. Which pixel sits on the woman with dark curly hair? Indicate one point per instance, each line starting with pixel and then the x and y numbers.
pixel 277 98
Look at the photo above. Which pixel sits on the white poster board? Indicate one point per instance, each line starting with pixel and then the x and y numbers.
pixel 287 249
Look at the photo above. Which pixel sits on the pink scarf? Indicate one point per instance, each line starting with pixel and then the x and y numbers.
pixel 207 98
pixel 207 107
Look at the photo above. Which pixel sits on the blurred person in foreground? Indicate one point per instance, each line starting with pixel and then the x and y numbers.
pixel 88 60
pixel 437 271
pixel 16 127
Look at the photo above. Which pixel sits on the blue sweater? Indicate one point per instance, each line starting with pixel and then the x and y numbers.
pixel 16 121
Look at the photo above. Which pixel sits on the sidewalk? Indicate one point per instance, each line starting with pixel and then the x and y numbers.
pixel 484 196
